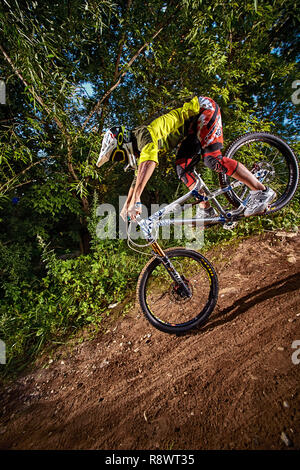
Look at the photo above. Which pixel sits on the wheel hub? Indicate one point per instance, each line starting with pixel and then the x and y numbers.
pixel 177 292
pixel 264 171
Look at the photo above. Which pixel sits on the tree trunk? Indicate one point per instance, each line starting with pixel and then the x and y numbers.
pixel 84 234
pixel 84 241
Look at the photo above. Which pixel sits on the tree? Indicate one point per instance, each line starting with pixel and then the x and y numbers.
pixel 74 68
pixel 53 50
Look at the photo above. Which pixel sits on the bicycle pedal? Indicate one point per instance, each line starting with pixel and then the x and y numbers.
pixel 230 225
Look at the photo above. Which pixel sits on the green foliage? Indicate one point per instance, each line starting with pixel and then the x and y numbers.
pixel 287 219
pixel 73 293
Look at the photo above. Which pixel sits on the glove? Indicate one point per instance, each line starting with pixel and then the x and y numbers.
pixel 134 210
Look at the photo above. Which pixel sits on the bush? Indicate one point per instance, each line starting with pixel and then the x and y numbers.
pixel 74 293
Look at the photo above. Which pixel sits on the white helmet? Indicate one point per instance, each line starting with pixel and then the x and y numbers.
pixel 117 147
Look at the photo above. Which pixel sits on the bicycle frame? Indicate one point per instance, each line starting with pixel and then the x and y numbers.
pixel 148 224
pixel 224 217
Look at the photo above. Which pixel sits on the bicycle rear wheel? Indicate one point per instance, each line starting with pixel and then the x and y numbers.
pixel 162 301
pixel 271 160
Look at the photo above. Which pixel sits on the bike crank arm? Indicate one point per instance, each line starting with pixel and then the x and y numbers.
pixel 170 268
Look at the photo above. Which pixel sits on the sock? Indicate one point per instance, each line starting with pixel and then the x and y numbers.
pixel 254 191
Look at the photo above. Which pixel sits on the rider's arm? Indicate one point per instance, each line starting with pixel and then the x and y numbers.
pixel 147 162
pixel 124 210
pixel 144 173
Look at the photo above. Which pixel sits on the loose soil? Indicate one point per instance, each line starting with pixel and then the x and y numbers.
pixel 230 385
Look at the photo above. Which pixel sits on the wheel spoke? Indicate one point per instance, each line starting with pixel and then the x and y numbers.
pixel 166 299
pixel 271 154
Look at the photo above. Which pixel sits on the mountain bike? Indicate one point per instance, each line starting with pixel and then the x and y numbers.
pixel 178 288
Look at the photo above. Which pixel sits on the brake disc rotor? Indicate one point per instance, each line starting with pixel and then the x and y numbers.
pixel 266 168
pixel 176 292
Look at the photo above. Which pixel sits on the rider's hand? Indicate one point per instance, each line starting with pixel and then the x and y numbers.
pixel 124 212
pixel 134 210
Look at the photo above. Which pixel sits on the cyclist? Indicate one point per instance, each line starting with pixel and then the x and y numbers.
pixel 194 128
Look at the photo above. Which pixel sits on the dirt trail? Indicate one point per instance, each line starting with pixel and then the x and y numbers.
pixel 231 385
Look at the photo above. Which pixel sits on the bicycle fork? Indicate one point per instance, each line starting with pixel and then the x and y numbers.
pixel 185 291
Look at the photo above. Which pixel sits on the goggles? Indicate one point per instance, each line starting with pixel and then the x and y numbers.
pixel 118 156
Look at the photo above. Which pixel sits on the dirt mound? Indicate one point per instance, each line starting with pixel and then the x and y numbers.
pixel 231 385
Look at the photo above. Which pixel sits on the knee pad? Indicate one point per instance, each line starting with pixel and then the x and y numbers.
pixel 230 165
pixel 220 164
pixel 188 178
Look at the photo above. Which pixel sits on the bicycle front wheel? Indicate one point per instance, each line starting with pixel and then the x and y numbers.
pixel 162 301
pixel 271 160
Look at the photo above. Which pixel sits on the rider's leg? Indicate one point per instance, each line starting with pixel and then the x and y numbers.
pixel 260 196
pixel 204 209
pixel 245 176
pixel 190 146
pixel 187 177
pixel 210 135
